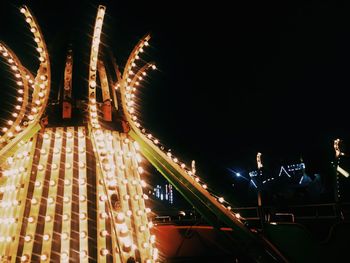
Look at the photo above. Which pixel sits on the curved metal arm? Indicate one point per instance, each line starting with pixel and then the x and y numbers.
pixel 42 82
pixel 23 90
pixel 134 54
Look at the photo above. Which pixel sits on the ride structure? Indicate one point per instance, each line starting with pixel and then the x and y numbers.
pixel 74 192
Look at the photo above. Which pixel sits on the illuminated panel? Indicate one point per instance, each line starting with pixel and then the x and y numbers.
pixel 93 67
pixel 6 189
pixel 10 188
pixel 122 208
pixel 26 154
pixel 113 195
pixel 52 196
pixel 36 200
pixel 67 196
pixel 131 198
pixel 21 181
pixel 145 224
pixel 134 196
pixel 83 224
pixel 105 172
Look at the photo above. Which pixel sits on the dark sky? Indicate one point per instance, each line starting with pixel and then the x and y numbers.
pixel 233 79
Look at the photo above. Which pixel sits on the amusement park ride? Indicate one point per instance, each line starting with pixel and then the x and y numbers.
pixel 75 193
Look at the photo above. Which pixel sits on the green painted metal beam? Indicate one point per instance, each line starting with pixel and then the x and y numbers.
pixel 17 142
pixel 245 240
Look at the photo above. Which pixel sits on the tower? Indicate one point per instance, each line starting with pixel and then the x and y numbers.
pixel 73 191
pixel 69 193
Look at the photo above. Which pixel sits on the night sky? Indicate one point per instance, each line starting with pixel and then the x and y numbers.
pixel 232 79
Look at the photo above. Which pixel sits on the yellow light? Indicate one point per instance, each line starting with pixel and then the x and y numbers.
pixel 104 252
pixel 83 234
pixel 155 254
pixel 43 257
pixel 152 239
pixel 120 218
pixel 50 200
pixel 140 169
pixel 64 256
pixel 103 215
pixel 82 216
pixel 34 201
pixel 127 244
pixel 83 254
pixel 104 233
pixel 145 245
pixel 65 235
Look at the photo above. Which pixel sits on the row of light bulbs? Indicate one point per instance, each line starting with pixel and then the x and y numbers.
pixel 109 170
pixel 40 84
pixel 41 81
pixel 13 125
pixel 100 138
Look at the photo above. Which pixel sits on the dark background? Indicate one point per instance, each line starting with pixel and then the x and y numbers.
pixel 233 78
